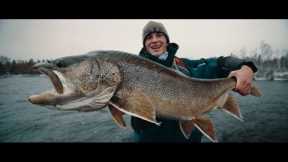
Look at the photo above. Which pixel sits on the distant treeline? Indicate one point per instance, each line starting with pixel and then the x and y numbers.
pixel 268 61
pixel 265 66
pixel 268 68
pixel 8 66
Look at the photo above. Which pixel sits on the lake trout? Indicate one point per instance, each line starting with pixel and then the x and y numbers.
pixel 133 85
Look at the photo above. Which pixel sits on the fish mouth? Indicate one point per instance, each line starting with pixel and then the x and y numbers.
pixel 58 86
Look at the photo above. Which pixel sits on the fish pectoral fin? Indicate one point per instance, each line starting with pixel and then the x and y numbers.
pixel 117 115
pixel 138 105
pixel 231 107
pixel 186 127
pixel 205 125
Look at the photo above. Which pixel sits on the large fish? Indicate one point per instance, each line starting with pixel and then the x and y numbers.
pixel 129 84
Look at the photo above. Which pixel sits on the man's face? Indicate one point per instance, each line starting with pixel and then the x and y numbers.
pixel 156 44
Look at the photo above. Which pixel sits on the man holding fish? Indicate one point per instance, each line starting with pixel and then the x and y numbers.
pixel 168 97
pixel 157 47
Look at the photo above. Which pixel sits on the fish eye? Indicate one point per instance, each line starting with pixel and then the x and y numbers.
pixel 60 64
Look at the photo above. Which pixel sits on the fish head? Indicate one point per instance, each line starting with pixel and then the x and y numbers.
pixel 79 84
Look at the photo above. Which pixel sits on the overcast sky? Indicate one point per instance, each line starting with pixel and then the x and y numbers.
pixel 49 39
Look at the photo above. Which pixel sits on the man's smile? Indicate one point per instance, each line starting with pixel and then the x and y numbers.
pixel 156 46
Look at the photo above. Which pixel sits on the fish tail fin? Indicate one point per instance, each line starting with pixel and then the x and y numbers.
pixel 255 91
pixel 232 108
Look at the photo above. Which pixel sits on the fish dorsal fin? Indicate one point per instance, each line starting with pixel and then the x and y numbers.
pixel 232 108
pixel 138 105
pixel 205 125
pixel 117 116
pixel 186 127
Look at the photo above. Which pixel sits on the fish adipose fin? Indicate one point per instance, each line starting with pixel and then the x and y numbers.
pixel 117 115
pixel 205 125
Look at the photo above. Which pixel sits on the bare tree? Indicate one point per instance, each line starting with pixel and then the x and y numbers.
pixel 243 52
pixel 4 59
pixel 266 50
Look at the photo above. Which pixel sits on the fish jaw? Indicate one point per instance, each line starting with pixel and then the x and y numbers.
pixel 48 69
pixel 66 102
pixel 45 98
pixel 75 92
pixel 53 98
pixel 64 92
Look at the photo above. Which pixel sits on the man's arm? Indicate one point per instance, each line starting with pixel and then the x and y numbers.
pixel 242 70
pixel 233 63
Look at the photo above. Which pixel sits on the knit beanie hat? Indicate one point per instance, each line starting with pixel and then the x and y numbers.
pixel 153 26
